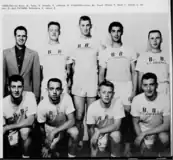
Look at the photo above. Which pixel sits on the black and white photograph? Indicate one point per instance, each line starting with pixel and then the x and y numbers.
pixel 87 83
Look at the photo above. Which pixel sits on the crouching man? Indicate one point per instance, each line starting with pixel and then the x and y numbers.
pixel 104 119
pixel 19 109
pixel 56 116
pixel 151 115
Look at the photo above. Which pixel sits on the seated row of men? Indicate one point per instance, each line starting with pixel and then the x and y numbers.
pixel 56 116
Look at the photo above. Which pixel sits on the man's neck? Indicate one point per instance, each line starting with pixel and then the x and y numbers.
pixel 104 105
pixel 16 101
pixel 20 47
pixel 54 102
pixel 51 42
pixel 85 36
pixel 156 50
pixel 152 98
pixel 116 44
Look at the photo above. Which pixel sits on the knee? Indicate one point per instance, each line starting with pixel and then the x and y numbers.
pixel 116 136
pixel 163 137
pixel 74 132
pixel 24 133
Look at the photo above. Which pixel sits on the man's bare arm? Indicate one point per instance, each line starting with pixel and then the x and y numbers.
pixel 28 122
pixel 165 126
pixel 134 77
pixel 101 74
pixel 112 127
pixel 136 125
pixel 68 124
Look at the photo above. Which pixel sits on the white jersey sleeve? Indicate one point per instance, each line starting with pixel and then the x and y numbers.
pixel 140 65
pixel 166 108
pixel 135 110
pixel 69 107
pixel 118 109
pixel 102 59
pixel 32 104
pixel 90 115
pixel 41 113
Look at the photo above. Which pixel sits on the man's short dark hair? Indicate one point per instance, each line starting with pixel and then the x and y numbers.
pixel 85 18
pixel 154 31
pixel 20 28
pixel 54 23
pixel 148 76
pixel 115 24
pixel 107 84
pixel 54 80
pixel 15 78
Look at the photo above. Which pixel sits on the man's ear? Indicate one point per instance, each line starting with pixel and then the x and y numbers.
pixel 9 88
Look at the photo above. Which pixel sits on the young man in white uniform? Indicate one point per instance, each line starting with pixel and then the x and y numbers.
pixel 104 119
pixel 117 64
pixel 55 115
pixel 19 109
pixel 155 61
pixel 55 61
pixel 151 115
pixel 85 78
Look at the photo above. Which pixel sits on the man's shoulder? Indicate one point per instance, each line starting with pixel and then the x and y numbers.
pixel 33 52
pixel 29 94
pixel 95 105
pixel 139 98
pixel 66 97
pixel 8 50
pixel 6 100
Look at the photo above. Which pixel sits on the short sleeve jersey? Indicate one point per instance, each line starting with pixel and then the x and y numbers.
pixel 117 61
pixel 151 113
pixel 85 55
pixel 154 62
pixel 55 115
pixel 97 112
pixel 13 113
pixel 54 62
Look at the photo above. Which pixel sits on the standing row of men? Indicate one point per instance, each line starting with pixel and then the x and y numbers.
pixel 78 73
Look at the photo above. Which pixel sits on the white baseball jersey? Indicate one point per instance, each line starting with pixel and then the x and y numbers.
pixel 150 112
pixel 117 61
pixel 156 63
pixel 13 113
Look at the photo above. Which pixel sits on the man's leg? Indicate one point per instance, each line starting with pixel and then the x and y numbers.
pixel 115 144
pixel 79 103
pixel 165 141
pixel 26 141
pixel 73 140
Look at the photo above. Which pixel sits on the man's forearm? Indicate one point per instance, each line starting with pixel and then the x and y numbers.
pixel 28 122
pixel 134 81
pixel 159 129
pixel 64 126
pixel 110 128
pixel 137 129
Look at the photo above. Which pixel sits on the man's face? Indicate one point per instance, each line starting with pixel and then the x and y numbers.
pixel 155 40
pixel 54 91
pixel 85 27
pixel 54 32
pixel 106 94
pixel 20 38
pixel 116 34
pixel 16 89
pixel 149 87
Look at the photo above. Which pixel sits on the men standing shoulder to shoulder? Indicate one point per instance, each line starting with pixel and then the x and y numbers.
pixel 154 61
pixel 19 109
pixel 55 115
pixel 151 115
pixel 55 62
pixel 24 61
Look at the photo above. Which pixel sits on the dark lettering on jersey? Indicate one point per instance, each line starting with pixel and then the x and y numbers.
pixel 153 110
pixel 161 58
pixel 49 51
pixel 113 54
pixel 86 45
pixel 144 109
pixel 59 51
pixel 50 115
pixel 150 59
pixel 120 53
pixel 79 46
